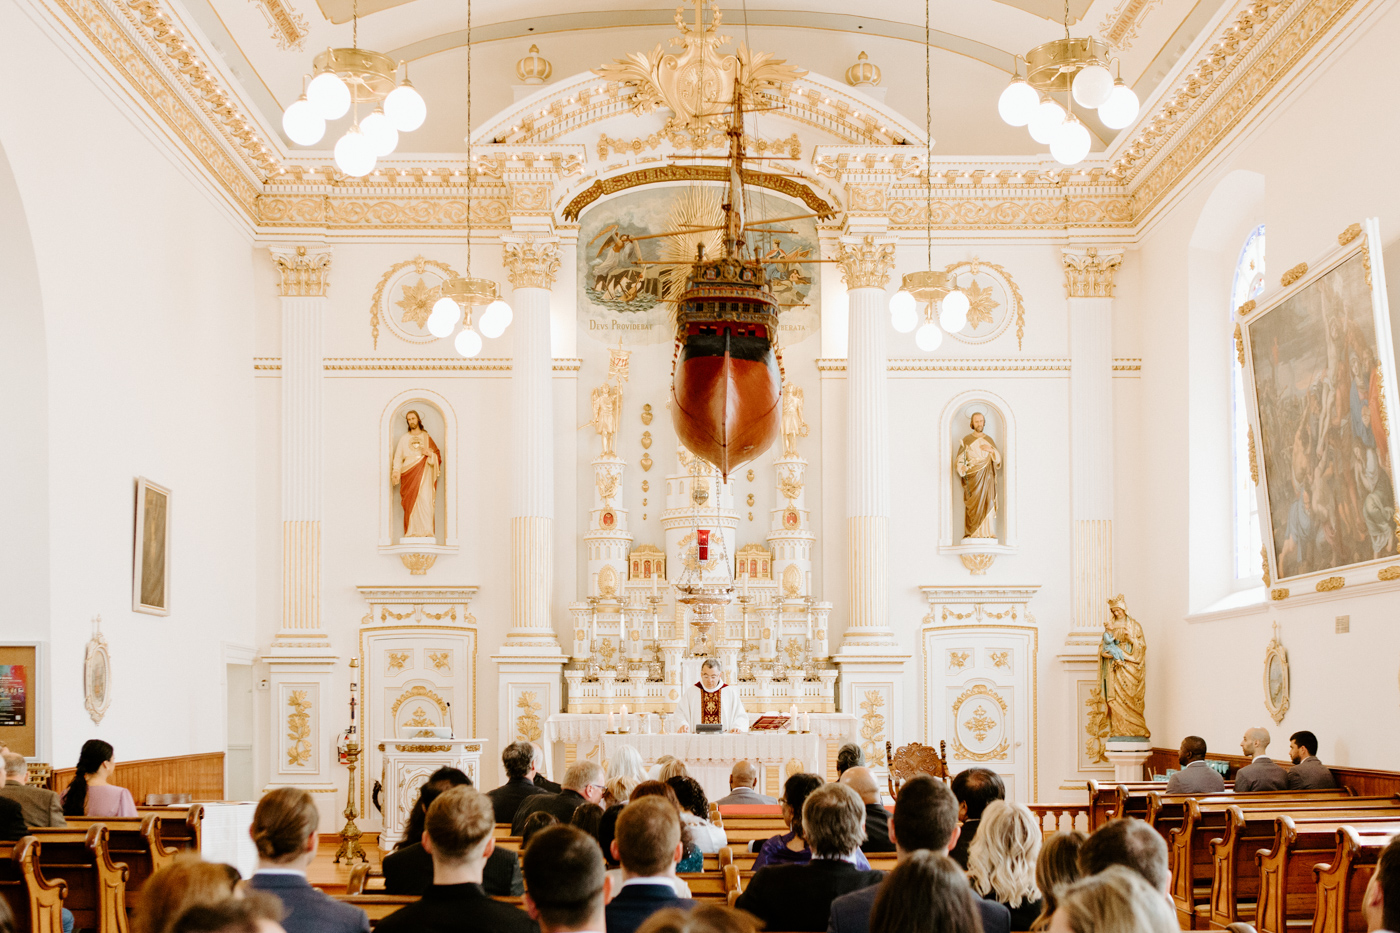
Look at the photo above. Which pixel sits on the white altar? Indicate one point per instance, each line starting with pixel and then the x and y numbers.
pixel 407 765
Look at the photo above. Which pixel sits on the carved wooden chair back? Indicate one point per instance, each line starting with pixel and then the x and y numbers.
pixel 913 759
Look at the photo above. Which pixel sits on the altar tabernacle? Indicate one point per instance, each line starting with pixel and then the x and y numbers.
pixel 712 702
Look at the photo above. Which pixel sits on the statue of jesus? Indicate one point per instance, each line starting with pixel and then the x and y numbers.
pixel 977 463
pixel 415 468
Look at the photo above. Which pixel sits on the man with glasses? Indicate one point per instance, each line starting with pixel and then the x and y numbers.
pixel 583 783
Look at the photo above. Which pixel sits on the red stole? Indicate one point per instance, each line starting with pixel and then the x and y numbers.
pixel 710 706
pixel 411 478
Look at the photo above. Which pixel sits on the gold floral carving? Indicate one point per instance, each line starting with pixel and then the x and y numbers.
pixel 1294 274
pixel 420 265
pixel 418 564
pixel 304 271
pixel 1264 556
pixel 382 211
pixel 527 724
pixel 1001 659
pixel 1089 275
pixel 298 729
pixel 792 581
pixel 531 265
pixel 1331 584
pixel 1253 457
pixel 688 173
pixel 866 264
pixel 1019 304
pixel 397 660
pixel 441 661
pixel 978 564
pixel 288 26
pixel 1239 344
pixel 418 690
pixel 980 725
pixel 1389 573
pixel 957 660
pixel 1279 594
pixel 1245 310
pixel 1349 234
pixel 872 727
pixel 606 652
pixel 1096 727
pixel 419 720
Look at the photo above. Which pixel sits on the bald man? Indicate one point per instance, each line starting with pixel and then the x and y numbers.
pixel 877 819
pixel 743 786
pixel 1263 773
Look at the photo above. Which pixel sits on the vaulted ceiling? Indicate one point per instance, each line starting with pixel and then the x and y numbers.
pixel 267 45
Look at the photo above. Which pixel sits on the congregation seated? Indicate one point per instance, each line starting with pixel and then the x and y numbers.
pixel 566 883
pixel 974 789
pixel 877 819
pixel 540 781
pixel 588 818
pixel 1380 905
pixel 654 772
pixel 518 759
pixel 186 882
pixel 250 912
pixel 1131 844
pixel 1262 773
pixel 1116 900
pixel 1195 776
pixel 458 837
pixel 673 768
pixel 12 823
pixel 90 794
pixel 648 846
pixel 1056 869
pixel 695 814
pixel 926 893
pixel 284 830
pixel 1002 860
pixel 624 772
pixel 791 847
pixel 693 859
pixel 533 824
pixel 583 783
pixel 1307 773
pixel 848 756
pixel 409 869
pixel 798 897
pixel 705 918
pixel 743 787
pixel 925 820
pixel 38 806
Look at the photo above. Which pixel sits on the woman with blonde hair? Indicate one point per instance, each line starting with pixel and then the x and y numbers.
pixel 1002 858
pixel 1056 869
pixel 626 762
pixel 672 768
pixel 186 882
pixel 1116 900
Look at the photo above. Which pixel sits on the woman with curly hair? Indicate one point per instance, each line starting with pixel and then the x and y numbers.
pixel 1002 858
pixel 695 814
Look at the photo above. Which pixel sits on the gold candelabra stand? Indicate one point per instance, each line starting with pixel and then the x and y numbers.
pixel 350 848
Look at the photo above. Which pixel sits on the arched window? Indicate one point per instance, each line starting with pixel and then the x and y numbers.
pixel 1248 283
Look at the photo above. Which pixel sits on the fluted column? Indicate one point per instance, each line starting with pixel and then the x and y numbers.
pixel 866 265
pixel 1089 276
pixel 532 265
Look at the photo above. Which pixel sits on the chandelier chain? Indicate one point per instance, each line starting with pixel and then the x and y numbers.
pixel 928 139
pixel 469 138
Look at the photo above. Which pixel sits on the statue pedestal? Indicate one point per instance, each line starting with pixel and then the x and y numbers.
pixel 1128 757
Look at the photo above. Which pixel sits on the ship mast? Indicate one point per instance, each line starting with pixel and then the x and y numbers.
pixel 734 210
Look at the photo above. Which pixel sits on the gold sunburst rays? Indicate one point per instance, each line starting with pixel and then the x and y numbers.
pixel 695 207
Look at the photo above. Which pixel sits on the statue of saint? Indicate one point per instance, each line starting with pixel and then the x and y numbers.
pixel 1123 672
pixel 607 406
pixel 977 464
pixel 793 425
pixel 415 468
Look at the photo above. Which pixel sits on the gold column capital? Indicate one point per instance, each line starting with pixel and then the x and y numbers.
pixel 304 271
pixel 1089 271
pixel 531 264
pixel 866 263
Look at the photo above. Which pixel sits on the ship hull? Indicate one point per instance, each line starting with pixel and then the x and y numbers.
pixel 726 406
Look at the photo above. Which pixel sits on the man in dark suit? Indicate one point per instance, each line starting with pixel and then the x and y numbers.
pixel 877 818
pixel 40 806
pixel 1263 773
pixel 1132 844
pixel 974 789
pixel 567 879
pixel 1307 773
pixel 1195 776
pixel 458 836
pixel 284 831
pixel 539 780
pixel 798 897
pixel 648 844
pixel 583 783
pixel 925 818
pixel 409 868
pixel 519 762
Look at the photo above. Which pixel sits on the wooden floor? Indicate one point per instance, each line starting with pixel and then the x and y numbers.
pixel 325 874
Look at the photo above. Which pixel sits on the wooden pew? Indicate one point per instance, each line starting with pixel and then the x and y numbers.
pixel 96 884
pixel 1341 883
pixel 1166 811
pixel 1236 882
pixel 36 902
pixel 1287 885
pixel 377 906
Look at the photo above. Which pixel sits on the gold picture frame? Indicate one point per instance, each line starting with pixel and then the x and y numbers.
pixel 1276 680
pixel 97 674
pixel 150 584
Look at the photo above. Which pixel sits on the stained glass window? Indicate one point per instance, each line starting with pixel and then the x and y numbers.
pixel 1248 283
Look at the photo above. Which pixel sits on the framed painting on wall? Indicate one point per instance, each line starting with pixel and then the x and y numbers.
pixel 1320 371
pixel 150 589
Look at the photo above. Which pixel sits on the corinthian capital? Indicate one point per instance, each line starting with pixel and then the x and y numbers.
pixel 1089 271
pixel 531 264
pixel 865 263
pixel 305 271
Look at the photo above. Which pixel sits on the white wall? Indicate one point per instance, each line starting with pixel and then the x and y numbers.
pixel 132 337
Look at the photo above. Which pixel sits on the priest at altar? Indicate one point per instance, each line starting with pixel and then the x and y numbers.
pixel 712 702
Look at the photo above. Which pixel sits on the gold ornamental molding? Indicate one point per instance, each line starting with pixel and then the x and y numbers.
pixel 689 173
pixel 1246 309
pixel 1006 208
pixel 865 263
pixel 380 211
pixel 1253 457
pixel 1293 275
pixel 1331 584
pixel 531 264
pixel 1349 234
pixel 1279 594
pixel 1389 573
pixel 1089 271
pixel 304 271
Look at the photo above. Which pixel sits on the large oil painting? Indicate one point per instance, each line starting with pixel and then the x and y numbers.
pixel 1318 377
pixel 151 584
pixel 627 282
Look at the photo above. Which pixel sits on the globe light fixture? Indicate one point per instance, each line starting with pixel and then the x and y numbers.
pixel 353 153
pixel 1071 142
pixel 444 317
pixel 928 338
pixel 1045 121
pixel 405 108
pixel 468 342
pixel 1121 108
pixel 329 95
pixel 381 134
pixel 1018 102
pixel 902 311
pixel 1092 86
pixel 302 123
pixel 952 311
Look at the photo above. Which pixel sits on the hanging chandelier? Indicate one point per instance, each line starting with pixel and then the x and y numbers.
pixel 346 78
pixel 462 295
pixel 945 305
pixel 1078 68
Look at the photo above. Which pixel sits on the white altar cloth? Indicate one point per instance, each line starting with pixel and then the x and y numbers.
pixel 586 729
pixel 709 758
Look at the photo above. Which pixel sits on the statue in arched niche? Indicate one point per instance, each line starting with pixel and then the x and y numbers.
pixel 415 469
pixel 978 463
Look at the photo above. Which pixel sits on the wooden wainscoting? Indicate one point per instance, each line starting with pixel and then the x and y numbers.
pixel 201 776
pixel 1364 782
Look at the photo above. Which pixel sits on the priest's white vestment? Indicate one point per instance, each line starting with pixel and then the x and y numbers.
pixel 731 708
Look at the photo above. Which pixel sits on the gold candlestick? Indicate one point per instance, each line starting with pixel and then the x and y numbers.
pixel 350 834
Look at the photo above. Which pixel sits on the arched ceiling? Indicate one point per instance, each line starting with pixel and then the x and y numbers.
pixel 267 46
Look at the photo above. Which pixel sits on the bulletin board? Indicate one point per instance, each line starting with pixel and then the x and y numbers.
pixel 19 698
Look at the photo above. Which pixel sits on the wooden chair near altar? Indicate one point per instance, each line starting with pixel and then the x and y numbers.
pixel 913 759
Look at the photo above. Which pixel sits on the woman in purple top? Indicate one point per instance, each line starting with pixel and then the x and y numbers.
pixel 89 794
pixel 791 848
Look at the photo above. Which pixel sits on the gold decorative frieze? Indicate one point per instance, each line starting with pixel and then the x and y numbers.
pixel 1279 594
pixel 1294 274
pixel 304 271
pixel 1007 208
pixel 865 263
pixel 1253 457
pixel 298 729
pixel 418 564
pixel 531 264
pixel 684 173
pixel 387 211
pixel 1349 234
pixel 1331 584
pixel 1389 573
pixel 1089 273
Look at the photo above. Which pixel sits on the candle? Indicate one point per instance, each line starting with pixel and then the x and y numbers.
pixel 612 726
pixel 806 722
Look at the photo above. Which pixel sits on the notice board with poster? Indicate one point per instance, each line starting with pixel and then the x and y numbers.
pixel 19 698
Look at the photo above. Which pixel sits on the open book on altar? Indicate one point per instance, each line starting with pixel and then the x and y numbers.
pixel 769 723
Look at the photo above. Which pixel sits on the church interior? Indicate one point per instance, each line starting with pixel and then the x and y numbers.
pixel 408 379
